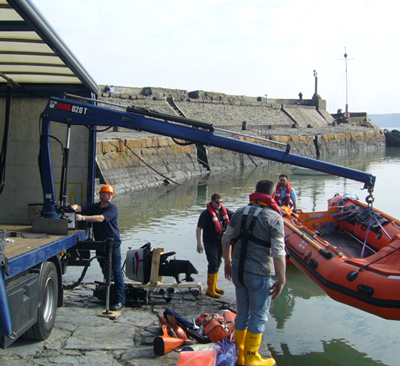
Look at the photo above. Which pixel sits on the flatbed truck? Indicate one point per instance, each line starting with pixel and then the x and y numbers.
pixel 33 281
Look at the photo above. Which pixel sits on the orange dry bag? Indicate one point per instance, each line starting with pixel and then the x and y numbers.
pixel 218 327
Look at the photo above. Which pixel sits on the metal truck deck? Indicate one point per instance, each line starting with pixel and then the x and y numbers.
pixel 29 249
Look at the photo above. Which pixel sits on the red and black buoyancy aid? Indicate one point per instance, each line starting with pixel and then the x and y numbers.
pixel 278 192
pixel 214 217
pixel 258 201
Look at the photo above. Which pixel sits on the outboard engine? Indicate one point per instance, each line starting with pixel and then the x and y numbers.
pixel 139 261
pixel 138 264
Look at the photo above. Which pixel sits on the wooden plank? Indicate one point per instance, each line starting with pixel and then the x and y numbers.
pixel 155 265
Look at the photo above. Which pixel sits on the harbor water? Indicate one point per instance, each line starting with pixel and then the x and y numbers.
pixel 305 326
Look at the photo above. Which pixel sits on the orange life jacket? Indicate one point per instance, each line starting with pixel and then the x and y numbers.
pixel 214 217
pixel 278 191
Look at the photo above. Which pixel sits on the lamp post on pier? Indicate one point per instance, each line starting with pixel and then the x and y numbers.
pixel 316 96
pixel 345 63
pixel 316 81
pixel 345 70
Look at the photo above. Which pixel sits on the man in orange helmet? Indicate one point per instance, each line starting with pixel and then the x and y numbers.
pixel 104 216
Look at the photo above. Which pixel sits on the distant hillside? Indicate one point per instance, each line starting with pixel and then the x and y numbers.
pixel 386 120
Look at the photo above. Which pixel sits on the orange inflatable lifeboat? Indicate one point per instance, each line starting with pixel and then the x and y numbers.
pixel 352 251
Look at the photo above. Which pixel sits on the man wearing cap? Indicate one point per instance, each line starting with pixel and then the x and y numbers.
pixel 104 216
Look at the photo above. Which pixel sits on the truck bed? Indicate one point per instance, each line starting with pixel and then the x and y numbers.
pixel 26 252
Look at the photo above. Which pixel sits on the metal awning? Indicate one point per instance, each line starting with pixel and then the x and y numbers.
pixel 33 55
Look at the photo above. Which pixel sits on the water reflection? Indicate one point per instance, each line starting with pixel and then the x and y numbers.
pixel 297 286
pixel 336 352
pixel 306 327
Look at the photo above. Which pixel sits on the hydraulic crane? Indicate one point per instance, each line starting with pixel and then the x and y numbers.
pixel 72 112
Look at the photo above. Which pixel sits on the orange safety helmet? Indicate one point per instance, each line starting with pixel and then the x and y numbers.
pixel 107 188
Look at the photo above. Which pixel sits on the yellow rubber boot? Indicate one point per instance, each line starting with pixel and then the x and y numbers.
pixel 252 357
pixel 212 283
pixel 218 290
pixel 240 336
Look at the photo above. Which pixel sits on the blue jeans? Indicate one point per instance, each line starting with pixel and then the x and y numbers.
pixel 252 300
pixel 116 268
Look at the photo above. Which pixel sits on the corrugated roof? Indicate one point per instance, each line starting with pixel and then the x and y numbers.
pixel 34 56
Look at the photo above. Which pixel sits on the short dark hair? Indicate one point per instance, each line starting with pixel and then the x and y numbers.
pixel 283 176
pixel 265 186
pixel 215 196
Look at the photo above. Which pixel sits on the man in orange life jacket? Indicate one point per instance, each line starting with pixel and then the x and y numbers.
pixel 284 194
pixel 213 221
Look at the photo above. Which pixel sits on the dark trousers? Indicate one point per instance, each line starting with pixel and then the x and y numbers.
pixel 116 270
pixel 214 257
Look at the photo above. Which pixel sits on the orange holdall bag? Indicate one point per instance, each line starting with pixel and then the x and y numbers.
pixel 218 327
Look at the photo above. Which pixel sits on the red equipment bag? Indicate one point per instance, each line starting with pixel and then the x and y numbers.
pixel 218 326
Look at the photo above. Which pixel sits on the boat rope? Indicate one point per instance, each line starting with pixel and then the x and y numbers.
pixel 165 177
pixel 395 224
pixel 387 234
pixel 357 239
pixel 294 144
pixel 252 160
pixel 353 275
pixel 366 237
pixel 373 217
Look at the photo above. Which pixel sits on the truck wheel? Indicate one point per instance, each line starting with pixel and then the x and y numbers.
pixel 48 304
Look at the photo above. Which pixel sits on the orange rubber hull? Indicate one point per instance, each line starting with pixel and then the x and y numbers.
pixel 371 283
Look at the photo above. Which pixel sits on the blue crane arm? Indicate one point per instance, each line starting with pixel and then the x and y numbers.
pixel 77 113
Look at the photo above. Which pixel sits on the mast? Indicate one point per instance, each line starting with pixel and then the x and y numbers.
pixel 345 69
pixel 345 63
pixel 316 81
pixel 316 95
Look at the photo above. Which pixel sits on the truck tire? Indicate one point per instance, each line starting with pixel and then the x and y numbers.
pixel 48 304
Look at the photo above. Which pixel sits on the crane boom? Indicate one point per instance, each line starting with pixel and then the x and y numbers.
pixel 73 112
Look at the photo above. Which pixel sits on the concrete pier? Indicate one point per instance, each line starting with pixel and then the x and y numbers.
pixel 81 337
pixel 131 160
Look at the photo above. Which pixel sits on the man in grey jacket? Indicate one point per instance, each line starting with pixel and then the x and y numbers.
pixel 257 233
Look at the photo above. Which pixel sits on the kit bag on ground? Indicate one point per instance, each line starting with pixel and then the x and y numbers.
pixel 218 326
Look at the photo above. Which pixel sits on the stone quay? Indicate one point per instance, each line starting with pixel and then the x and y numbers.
pixel 132 160
pixel 82 337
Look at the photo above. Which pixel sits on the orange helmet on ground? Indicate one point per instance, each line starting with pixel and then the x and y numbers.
pixel 107 188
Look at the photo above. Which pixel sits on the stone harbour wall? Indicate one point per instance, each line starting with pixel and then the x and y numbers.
pixel 132 164
pixel 129 161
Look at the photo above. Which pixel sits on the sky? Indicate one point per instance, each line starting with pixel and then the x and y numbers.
pixel 252 47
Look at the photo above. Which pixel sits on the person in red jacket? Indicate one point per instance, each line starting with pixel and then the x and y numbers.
pixel 213 221
pixel 284 194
